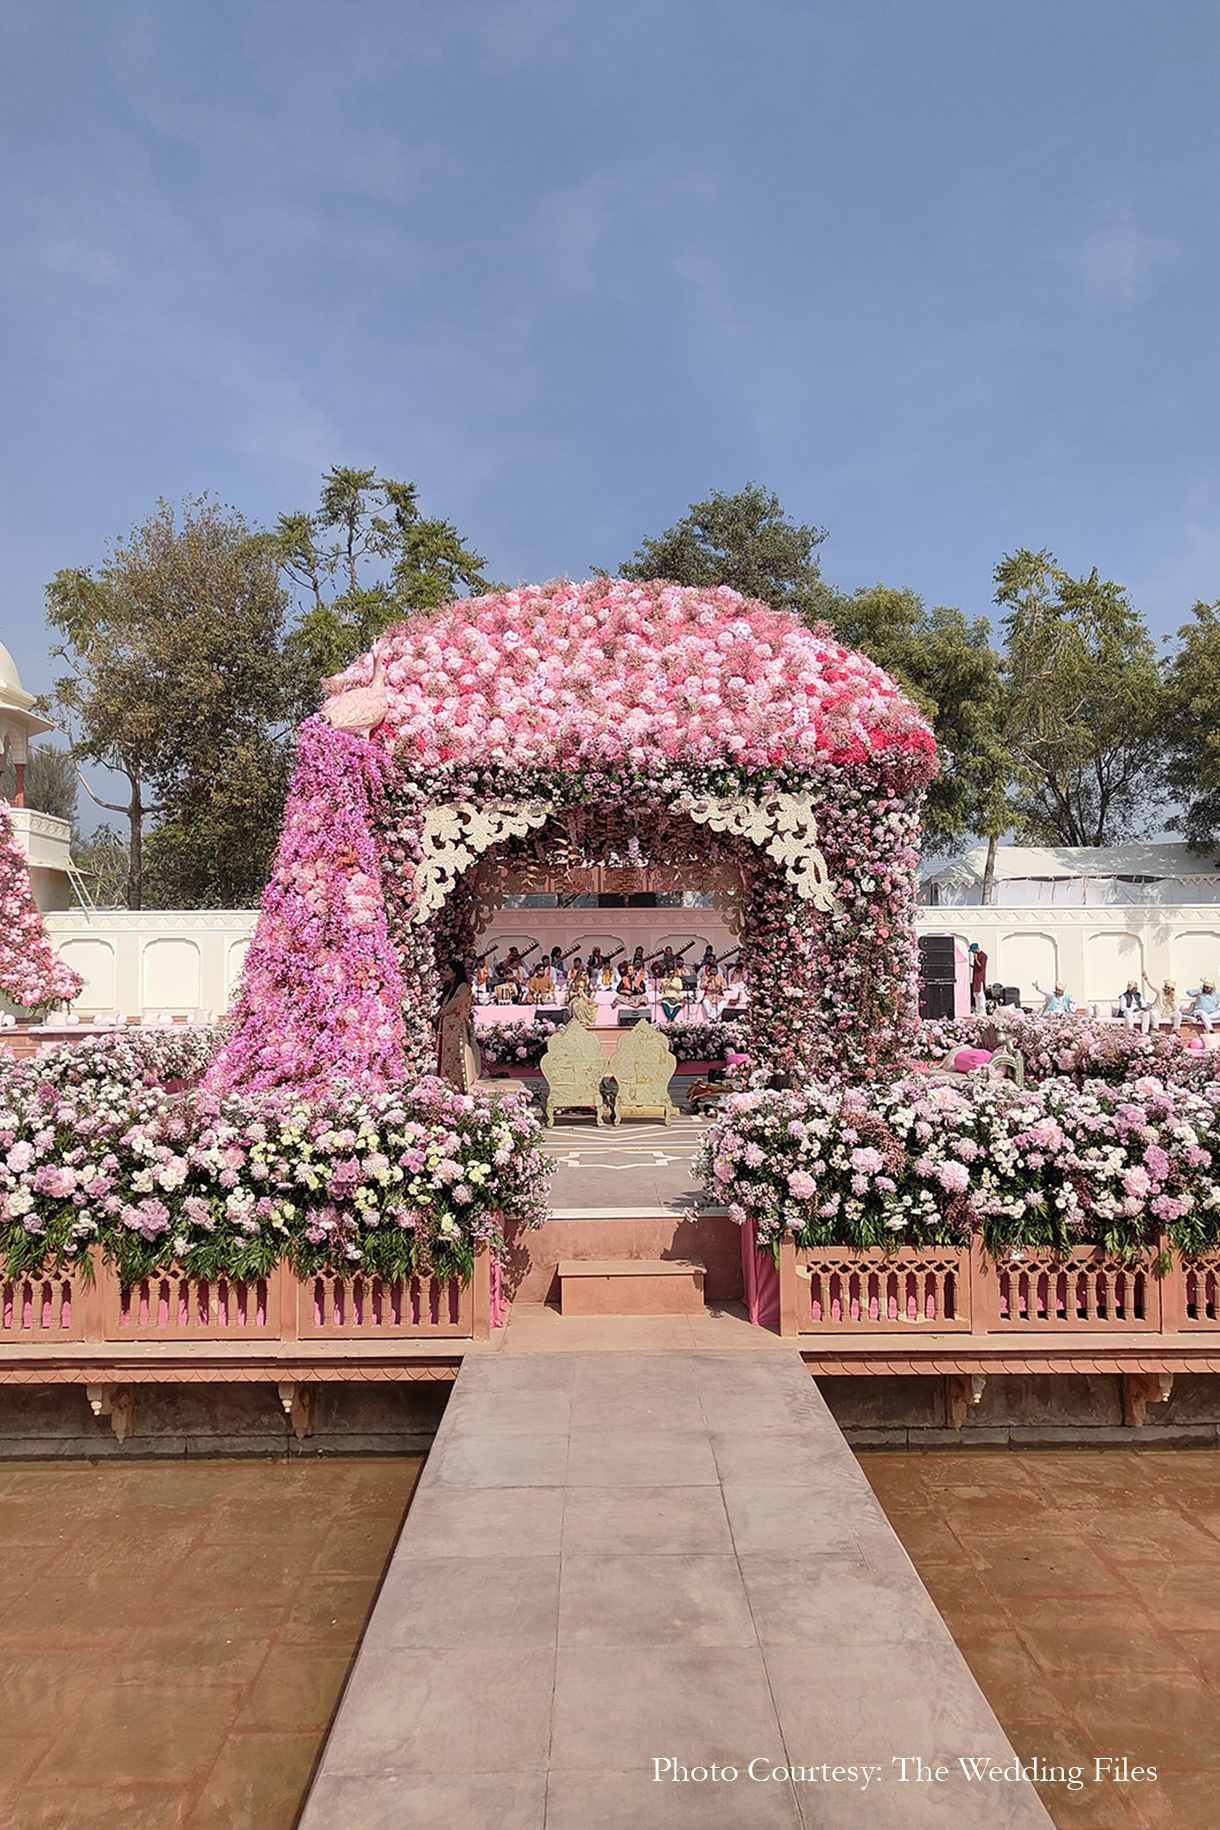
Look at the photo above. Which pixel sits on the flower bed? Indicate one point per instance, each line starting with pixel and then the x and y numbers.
pixel 95 1152
pixel 913 1163
pixel 515 1045
pixel 1076 1048
pixel 519 1045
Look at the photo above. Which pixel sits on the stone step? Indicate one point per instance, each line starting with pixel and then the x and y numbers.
pixel 630 1286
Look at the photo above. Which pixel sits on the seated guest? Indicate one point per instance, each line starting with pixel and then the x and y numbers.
pixel 1133 1010
pixel 1164 1002
pixel 1057 1003
pixel 1205 1003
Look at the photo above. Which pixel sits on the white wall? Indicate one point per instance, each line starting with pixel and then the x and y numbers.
pixel 1092 951
pixel 161 959
pixel 154 959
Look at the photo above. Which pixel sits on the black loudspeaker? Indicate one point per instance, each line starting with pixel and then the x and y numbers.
pixel 628 1018
pixel 937 975
pixel 732 1016
pixel 1010 994
pixel 549 1015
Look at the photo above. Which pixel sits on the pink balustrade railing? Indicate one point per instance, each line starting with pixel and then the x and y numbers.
pixel 962 1290
pixel 42 1312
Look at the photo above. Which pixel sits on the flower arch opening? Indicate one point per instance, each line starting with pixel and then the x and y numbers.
pixel 607 713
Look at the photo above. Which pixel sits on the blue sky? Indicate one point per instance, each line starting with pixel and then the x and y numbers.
pixel 943 273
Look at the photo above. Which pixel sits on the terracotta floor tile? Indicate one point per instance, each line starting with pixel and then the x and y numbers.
pixel 327 1610
pixel 1010 1683
pixel 153 1622
pixel 257 1784
pixel 964 1599
pixel 86 1807
pixel 295 1691
pixel 1113 1590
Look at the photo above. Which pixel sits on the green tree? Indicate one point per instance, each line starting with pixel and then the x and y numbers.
pixel 103 860
pixel 365 558
pixel 746 541
pixel 50 782
pixel 1193 726
pixel 1086 705
pixel 949 668
pixel 177 681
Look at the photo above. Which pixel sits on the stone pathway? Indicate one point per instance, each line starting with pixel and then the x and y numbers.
pixel 621 1558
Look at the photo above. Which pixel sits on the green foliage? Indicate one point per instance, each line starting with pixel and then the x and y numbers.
pixel 745 541
pixel 951 671
pixel 1085 705
pixel 103 860
pixel 50 782
pixel 364 559
pixel 177 681
pixel 1193 726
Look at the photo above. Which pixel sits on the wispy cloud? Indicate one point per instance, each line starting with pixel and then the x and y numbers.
pixel 1121 264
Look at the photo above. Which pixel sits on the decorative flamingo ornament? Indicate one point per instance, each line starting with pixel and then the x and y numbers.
pixel 360 709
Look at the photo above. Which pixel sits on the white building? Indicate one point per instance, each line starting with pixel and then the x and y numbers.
pixel 44 839
pixel 1089 918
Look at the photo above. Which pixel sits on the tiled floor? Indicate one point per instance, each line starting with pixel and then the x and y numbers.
pixel 174 1637
pixel 1084 1590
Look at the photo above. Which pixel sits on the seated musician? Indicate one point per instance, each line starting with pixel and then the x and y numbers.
pixel 632 987
pixel 665 964
pixel 714 992
pixel 556 962
pixel 709 958
pixel 539 988
pixel 672 996
pixel 504 987
pixel 704 1095
pixel 513 966
pixel 482 980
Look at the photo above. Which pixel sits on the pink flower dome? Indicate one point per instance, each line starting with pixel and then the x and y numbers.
pixel 642 675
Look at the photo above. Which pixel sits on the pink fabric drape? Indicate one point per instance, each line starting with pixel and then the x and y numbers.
pixel 760 1278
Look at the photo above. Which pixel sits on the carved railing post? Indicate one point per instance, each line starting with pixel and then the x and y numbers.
pixel 480 1293
pixel 789 1288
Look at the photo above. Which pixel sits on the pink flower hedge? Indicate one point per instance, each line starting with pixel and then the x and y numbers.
pixel 612 701
pixel 31 972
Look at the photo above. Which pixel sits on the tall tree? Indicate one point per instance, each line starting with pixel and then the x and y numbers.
pixel 1193 726
pixel 949 668
pixel 364 558
pixel 177 681
pixel 746 541
pixel 1086 704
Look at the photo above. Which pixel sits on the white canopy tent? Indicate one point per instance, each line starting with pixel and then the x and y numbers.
pixel 1028 876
